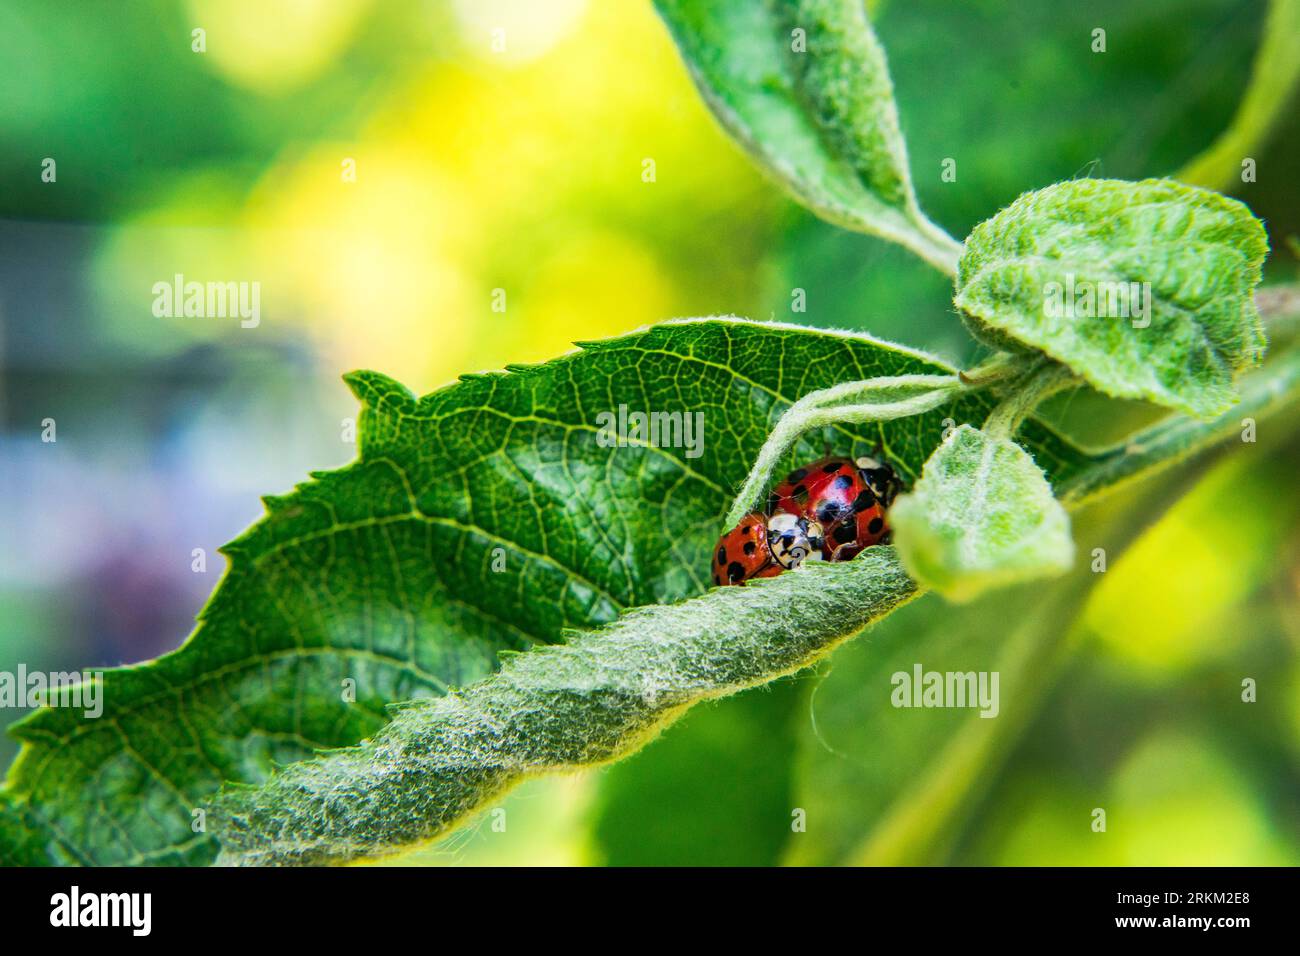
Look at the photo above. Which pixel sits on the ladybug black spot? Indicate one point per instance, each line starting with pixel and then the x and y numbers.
pixel 796 475
pixel 722 555
pixel 831 468
pixel 875 525
pixel 735 571
pixel 842 482
pixel 828 513
pixel 844 534
pixel 800 493
pixel 749 529
pixel 750 547
pixel 864 500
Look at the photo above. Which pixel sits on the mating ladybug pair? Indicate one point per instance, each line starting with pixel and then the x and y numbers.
pixel 828 511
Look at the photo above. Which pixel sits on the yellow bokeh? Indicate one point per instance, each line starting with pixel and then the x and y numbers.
pixel 274 47
pixel 487 211
pixel 1177 800
pixel 377 266
pixel 1174 800
pixel 515 31
pixel 1167 602
pixel 541 823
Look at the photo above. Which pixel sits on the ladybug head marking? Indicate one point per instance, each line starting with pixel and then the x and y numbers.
pixel 793 539
pixel 880 478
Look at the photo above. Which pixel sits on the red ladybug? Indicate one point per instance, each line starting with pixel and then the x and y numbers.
pixel 763 547
pixel 847 498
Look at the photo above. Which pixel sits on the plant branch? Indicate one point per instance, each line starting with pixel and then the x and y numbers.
pixel 1263 394
pixel 1038 385
pixel 817 409
pixel 933 244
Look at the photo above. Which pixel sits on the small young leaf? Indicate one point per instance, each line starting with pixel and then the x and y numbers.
pixel 981 516
pixel 1144 289
pixel 804 87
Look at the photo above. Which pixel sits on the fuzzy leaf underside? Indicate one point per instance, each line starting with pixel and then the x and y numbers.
pixel 981 516
pixel 381 571
pixel 554 708
pixel 1201 253
pixel 821 119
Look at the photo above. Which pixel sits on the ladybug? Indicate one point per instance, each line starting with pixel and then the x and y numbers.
pixel 794 539
pixel 763 547
pixel 847 498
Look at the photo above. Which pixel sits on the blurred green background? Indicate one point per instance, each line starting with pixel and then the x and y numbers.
pixel 480 168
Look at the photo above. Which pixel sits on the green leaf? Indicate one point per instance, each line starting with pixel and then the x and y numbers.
pixel 1143 289
pixel 580 704
pixel 1036 105
pixel 609 690
pixel 804 87
pixel 982 516
pixel 959 101
pixel 381 572
pixel 122 788
pixel 602 697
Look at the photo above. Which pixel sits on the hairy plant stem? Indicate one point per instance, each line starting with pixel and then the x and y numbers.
pixel 816 410
pixel 933 244
pixel 998 367
pixel 844 403
pixel 1040 383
